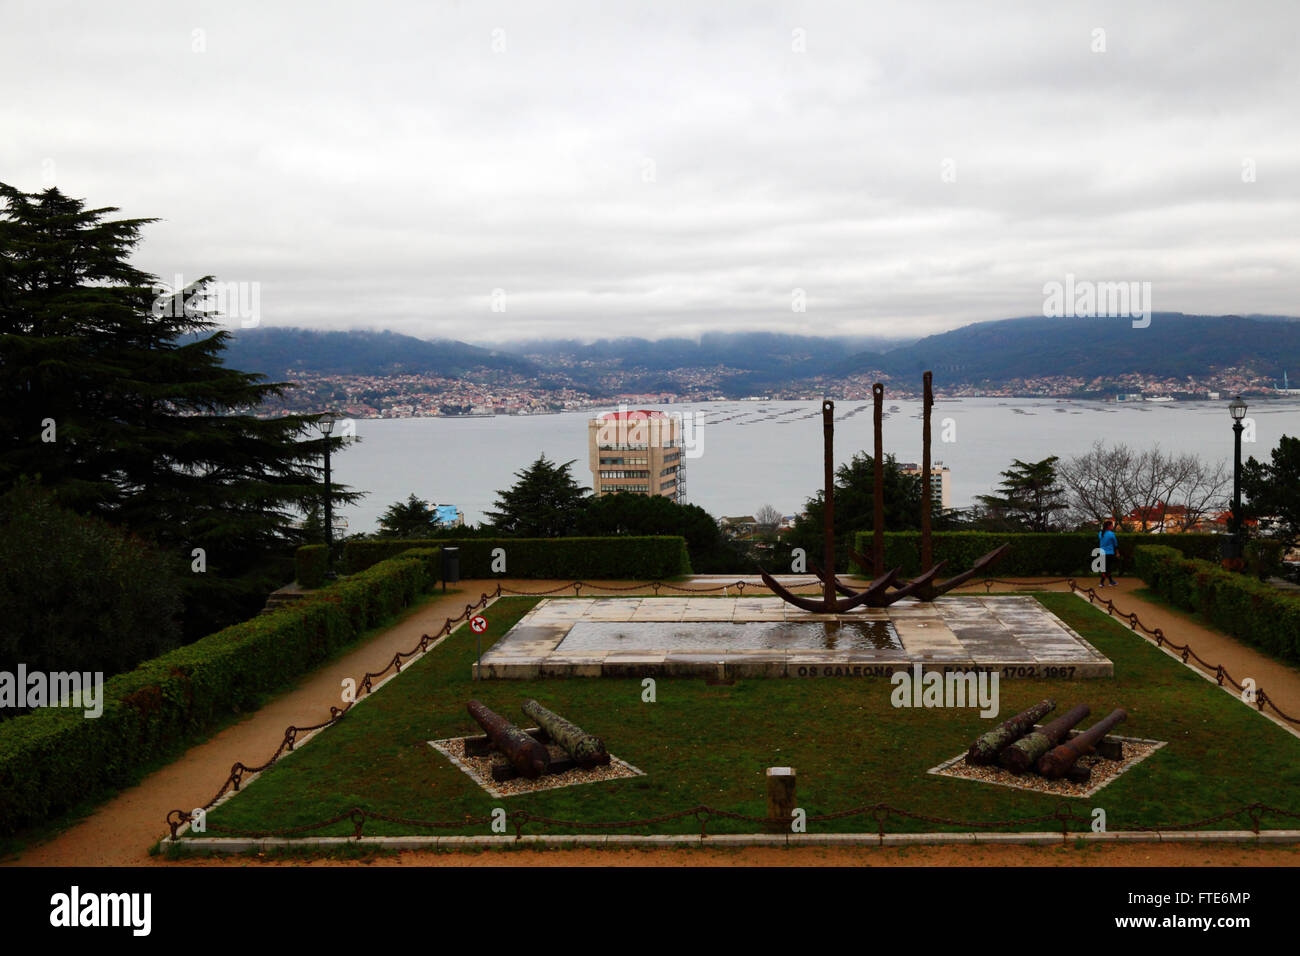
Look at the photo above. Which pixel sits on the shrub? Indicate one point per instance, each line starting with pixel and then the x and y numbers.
pixel 573 558
pixel 636 515
pixel 1250 611
pixel 1264 557
pixel 51 759
pixel 76 593
pixel 311 565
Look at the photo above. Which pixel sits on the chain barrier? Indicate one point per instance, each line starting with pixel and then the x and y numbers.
pixel 654 586
pixel 740 585
pixel 880 813
pixel 989 582
pixel 1184 651
pixel 176 818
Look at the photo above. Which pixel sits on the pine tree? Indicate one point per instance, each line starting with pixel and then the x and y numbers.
pixel 545 502
pixel 1272 488
pixel 1030 498
pixel 854 510
pixel 412 518
pixel 118 399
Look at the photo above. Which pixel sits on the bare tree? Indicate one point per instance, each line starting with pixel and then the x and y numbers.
pixel 1165 491
pixel 1205 489
pixel 1098 482
pixel 768 519
pixel 1153 482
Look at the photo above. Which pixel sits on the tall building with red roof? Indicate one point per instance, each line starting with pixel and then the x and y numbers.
pixel 638 452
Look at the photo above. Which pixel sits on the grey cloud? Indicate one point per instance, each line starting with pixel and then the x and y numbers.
pixel 381 166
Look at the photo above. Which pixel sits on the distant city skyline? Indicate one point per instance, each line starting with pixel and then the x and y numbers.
pixel 500 172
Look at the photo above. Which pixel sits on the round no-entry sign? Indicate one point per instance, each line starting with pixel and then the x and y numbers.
pixel 478 624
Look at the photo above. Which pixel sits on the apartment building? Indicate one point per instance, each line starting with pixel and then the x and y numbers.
pixel 940 492
pixel 637 451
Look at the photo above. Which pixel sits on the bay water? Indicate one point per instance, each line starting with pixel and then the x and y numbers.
pixel 746 454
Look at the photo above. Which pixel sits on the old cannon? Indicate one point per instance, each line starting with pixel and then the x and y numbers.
pixel 586 750
pixel 986 749
pixel 1024 753
pixel 1056 763
pixel 525 754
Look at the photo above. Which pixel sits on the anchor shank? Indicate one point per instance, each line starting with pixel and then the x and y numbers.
pixel 828 544
pixel 878 486
pixel 927 546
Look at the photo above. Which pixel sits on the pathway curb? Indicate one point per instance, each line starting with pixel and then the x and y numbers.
pixel 1040 838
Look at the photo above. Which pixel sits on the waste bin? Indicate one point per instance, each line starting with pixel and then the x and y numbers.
pixel 1229 547
pixel 450 566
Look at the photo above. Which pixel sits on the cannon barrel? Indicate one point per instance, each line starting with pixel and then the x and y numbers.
pixel 986 748
pixel 586 750
pixel 1056 763
pixel 525 753
pixel 1024 753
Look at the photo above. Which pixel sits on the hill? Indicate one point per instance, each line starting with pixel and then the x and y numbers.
pixel 772 352
pixel 740 363
pixel 278 352
pixel 1174 345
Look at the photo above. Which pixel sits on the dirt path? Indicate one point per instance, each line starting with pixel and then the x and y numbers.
pixel 1280 681
pixel 121 831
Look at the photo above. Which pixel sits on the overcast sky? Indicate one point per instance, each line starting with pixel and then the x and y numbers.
pixel 660 168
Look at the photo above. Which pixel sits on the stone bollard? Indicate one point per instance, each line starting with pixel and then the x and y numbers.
pixel 720 678
pixel 780 798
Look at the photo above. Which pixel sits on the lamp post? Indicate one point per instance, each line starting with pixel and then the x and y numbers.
pixel 326 425
pixel 1237 409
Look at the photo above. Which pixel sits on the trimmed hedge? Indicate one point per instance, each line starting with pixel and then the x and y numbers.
pixel 1264 557
pixel 574 558
pixel 1250 611
pixel 1051 553
pixel 310 565
pixel 52 759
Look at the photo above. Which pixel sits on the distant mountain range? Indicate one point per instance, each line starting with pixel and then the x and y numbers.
pixel 1174 345
pixel 985 353
pixel 746 359
pixel 279 352
pixel 782 353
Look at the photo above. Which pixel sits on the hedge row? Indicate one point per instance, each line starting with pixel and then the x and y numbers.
pixel 52 759
pixel 1050 553
pixel 1247 609
pixel 573 558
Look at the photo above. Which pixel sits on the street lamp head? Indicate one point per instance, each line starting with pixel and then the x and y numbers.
pixel 325 422
pixel 1237 409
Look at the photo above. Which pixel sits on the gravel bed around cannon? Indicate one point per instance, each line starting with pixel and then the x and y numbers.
pixel 479 769
pixel 1102 771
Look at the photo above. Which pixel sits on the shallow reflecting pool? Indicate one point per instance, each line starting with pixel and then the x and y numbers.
pixel 706 637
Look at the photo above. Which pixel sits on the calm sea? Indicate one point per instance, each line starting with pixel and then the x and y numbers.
pixel 756 453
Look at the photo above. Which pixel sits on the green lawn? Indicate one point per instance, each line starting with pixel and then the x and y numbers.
pixel 700 744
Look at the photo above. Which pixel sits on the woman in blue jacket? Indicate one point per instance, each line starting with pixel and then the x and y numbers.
pixel 1109 554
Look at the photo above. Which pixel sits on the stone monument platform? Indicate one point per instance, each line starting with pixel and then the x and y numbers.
pixel 735 637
